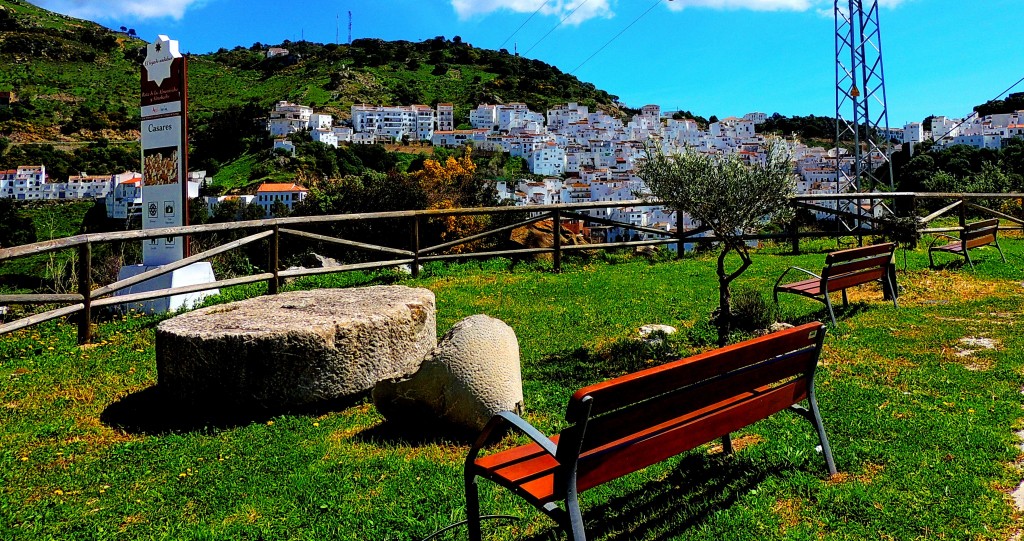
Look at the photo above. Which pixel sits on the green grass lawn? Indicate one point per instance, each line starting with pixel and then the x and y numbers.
pixel 923 433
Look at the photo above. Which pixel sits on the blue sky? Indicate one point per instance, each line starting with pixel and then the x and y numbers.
pixel 721 57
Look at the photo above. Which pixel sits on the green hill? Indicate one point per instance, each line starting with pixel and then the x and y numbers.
pixel 76 80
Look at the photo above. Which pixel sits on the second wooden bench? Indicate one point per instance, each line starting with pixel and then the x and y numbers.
pixel 973 235
pixel 845 269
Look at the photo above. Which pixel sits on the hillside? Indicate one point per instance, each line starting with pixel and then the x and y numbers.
pixel 76 80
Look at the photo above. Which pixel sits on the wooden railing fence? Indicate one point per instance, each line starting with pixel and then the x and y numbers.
pixel 870 220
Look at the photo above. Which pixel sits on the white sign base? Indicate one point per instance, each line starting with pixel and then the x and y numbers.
pixel 196 273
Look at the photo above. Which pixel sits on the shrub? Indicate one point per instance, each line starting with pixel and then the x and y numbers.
pixel 752 310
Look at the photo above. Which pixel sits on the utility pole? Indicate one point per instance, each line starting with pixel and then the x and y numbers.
pixel 861 111
pixel 350 28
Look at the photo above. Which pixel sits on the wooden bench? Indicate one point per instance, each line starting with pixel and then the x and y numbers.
pixel 633 421
pixel 844 269
pixel 973 235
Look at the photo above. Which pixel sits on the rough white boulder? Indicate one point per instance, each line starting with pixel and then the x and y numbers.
pixel 296 349
pixel 472 374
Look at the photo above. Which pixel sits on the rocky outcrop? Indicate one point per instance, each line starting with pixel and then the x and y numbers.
pixel 473 374
pixel 297 348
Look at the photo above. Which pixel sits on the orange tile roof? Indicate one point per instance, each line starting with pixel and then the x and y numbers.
pixel 280 187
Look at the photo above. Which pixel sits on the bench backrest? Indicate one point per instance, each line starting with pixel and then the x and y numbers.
pixel 856 266
pixel 721 391
pixel 979 233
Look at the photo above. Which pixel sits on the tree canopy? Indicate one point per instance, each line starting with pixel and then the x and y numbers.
pixel 726 195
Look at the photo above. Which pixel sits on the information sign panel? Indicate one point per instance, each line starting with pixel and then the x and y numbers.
pixel 164 151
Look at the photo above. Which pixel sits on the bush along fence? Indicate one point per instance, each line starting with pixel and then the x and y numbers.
pixel 375 241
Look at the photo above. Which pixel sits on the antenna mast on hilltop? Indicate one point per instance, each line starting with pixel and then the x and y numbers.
pixel 861 112
pixel 350 28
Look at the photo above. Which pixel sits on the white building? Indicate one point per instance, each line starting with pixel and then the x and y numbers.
pixel 320 135
pixel 286 145
pixel 393 123
pixel 913 132
pixel 287 194
pixel 445 117
pixel 24 183
pixel 756 117
pixel 458 138
pixel 287 118
pixel 548 160
pixel 126 198
pixel 212 202
pixel 485 117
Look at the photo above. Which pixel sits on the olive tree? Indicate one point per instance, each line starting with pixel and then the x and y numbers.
pixel 726 195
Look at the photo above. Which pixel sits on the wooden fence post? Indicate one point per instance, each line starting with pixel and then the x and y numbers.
pixel 963 212
pixel 274 284
pixel 557 229
pixel 416 246
pixel 85 289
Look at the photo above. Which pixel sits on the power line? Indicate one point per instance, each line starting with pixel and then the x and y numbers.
pixel 540 7
pixel 968 117
pixel 654 5
pixel 578 6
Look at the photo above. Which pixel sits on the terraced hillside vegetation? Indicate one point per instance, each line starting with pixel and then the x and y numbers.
pixel 920 402
pixel 77 80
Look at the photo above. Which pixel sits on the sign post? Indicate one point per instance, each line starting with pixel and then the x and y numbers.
pixel 165 189
pixel 164 148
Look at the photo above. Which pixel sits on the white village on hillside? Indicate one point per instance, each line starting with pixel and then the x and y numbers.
pixel 576 155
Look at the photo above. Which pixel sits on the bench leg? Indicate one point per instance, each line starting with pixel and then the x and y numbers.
pixel 473 508
pixel 931 264
pixel 967 256
pixel 727 444
pixel 828 304
pixel 889 284
pixel 1001 256
pixel 846 301
pixel 574 524
pixel 826 449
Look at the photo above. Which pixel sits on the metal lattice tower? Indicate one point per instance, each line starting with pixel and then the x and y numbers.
pixel 861 112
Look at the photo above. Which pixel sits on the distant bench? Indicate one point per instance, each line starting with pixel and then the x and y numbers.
pixel 844 269
pixel 973 235
pixel 633 421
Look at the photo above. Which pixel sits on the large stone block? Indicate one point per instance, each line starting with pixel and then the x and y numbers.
pixel 298 348
pixel 473 374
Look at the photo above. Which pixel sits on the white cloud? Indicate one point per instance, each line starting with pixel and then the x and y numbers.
pixel 601 8
pixel 755 5
pixel 115 9
pixel 584 9
pixel 822 6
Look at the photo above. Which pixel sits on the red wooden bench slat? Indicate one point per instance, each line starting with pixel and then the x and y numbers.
pixel 810 286
pixel 619 423
pixel 980 241
pixel 659 443
pixel 859 252
pixel 630 388
pixel 838 269
pixel 839 283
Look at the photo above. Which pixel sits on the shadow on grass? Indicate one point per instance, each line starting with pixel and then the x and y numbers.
pixel 583 366
pixel 152 411
pixel 415 431
pixel 700 486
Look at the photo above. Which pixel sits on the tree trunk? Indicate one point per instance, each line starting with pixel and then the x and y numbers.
pixel 724 320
